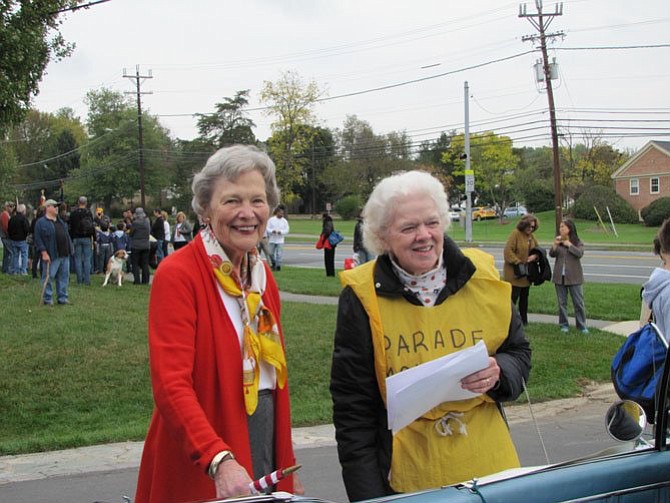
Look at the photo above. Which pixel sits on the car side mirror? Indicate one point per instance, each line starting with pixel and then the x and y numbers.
pixel 625 421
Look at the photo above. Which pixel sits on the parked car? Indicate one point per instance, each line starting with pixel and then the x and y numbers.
pixel 455 214
pixel 515 211
pixel 483 212
pixel 638 469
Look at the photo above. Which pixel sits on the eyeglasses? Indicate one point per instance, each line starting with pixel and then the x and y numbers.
pixel 531 227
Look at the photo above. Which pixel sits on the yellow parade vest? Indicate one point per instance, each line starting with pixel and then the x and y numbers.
pixel 455 441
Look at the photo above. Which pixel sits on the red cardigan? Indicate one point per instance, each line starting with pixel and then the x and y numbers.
pixel 196 375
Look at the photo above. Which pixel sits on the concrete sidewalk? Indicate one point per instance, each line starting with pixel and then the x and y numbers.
pixel 99 458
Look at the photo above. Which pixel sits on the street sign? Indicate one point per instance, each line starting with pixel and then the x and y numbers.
pixel 469 180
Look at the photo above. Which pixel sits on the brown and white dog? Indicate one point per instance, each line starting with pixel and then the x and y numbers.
pixel 115 267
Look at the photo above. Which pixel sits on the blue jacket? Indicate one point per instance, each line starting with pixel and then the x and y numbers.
pixel 45 236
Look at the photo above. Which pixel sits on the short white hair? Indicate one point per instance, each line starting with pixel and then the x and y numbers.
pixel 380 207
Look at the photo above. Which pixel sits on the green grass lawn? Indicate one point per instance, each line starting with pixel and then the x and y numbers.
pixel 486 231
pixel 604 301
pixel 78 375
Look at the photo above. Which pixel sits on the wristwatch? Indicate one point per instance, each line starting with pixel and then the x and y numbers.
pixel 217 460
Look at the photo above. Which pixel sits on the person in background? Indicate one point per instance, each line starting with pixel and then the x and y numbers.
pixel 276 232
pixel 360 250
pixel 183 232
pixel 120 239
pixel 140 246
pixel 128 221
pixel 166 226
pixel 82 232
pixel 158 232
pixel 18 231
pixel 421 286
pixel 105 245
pixel 568 276
pixel 517 251
pixel 328 251
pixel 36 255
pixel 218 369
pixel 55 247
pixel 656 291
pixel 7 255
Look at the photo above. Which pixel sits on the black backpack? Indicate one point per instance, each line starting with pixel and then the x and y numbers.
pixel 86 225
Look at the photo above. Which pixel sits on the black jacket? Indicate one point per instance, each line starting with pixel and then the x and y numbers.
pixel 539 271
pixel 158 229
pixel 18 228
pixel 364 441
pixel 74 223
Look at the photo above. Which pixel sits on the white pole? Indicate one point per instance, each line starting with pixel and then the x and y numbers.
pixel 469 175
pixel 611 221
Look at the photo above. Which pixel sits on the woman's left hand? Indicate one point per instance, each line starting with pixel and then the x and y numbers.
pixel 482 381
pixel 298 488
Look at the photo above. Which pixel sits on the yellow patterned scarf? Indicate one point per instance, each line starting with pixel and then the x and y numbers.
pixel 262 344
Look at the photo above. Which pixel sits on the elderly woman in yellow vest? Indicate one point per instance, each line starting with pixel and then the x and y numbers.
pixel 421 299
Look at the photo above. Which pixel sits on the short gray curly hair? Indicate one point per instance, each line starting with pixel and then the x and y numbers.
pixel 380 207
pixel 229 163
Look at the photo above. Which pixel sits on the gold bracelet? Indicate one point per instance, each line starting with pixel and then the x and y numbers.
pixel 217 460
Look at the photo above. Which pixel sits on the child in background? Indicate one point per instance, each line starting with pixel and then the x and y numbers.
pixel 104 240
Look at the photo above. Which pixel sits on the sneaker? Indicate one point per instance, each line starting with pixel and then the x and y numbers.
pixel 564 330
pixel 48 304
pixel 584 330
pixel 64 303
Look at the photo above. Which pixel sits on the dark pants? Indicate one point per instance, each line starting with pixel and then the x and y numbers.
pixel 261 435
pixel 329 261
pixel 179 244
pixel 520 293
pixel 140 259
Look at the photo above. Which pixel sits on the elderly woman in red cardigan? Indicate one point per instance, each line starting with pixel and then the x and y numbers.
pixel 218 368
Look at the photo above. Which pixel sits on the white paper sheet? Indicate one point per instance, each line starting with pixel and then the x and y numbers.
pixel 413 392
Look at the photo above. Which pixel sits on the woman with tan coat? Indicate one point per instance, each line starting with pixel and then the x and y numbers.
pixel 517 252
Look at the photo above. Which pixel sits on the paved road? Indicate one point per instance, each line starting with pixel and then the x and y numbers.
pixel 599 266
pixel 569 428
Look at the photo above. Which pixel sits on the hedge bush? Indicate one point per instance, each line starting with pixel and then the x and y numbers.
pixel 657 211
pixel 348 207
pixel 602 198
pixel 538 197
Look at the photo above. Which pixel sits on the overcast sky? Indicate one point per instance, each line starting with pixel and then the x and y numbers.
pixel 200 51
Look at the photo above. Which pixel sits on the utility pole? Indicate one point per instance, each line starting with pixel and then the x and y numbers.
pixel 469 173
pixel 137 78
pixel 541 22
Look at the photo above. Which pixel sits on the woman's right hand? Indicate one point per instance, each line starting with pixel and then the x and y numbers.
pixel 232 480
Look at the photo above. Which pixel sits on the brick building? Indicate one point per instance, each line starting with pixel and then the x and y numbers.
pixel 645 177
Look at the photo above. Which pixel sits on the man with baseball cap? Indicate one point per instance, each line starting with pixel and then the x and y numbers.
pixel 53 243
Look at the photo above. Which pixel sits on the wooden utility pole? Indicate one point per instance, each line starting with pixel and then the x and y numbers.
pixel 541 22
pixel 137 78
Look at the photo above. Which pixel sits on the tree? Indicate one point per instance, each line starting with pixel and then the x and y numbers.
pixel 315 192
pixel 364 159
pixel 431 154
pixel 47 150
pixel 494 163
pixel 109 166
pixel 590 162
pixel 29 39
pixel 291 102
pixel 228 125
pixel 7 170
